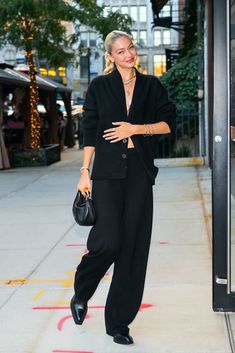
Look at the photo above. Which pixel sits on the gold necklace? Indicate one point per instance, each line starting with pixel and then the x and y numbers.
pixel 125 82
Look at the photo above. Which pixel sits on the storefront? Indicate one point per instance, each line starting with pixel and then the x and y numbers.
pixel 223 155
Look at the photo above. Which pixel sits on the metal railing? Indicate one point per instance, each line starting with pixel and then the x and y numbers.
pixel 184 140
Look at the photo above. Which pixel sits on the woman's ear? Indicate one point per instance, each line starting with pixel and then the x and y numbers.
pixel 109 57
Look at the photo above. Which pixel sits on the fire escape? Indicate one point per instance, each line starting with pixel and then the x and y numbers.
pixel 174 18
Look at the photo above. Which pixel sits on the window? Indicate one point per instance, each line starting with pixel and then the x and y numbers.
pixel 157 38
pixel 115 8
pixel 143 38
pixel 106 11
pixel 84 39
pixel 142 64
pixel 143 13
pixel 124 10
pixel 134 36
pixel 166 37
pixel 133 13
pixel 166 11
pixel 159 64
pixel 161 37
pixel 84 62
pixel 92 39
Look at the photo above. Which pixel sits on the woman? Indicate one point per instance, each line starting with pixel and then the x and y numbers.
pixel 123 109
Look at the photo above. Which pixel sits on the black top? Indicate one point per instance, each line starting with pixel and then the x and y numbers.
pixel 105 103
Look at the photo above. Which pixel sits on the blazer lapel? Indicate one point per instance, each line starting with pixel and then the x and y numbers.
pixel 117 90
pixel 137 98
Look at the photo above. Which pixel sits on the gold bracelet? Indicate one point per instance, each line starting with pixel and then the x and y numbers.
pixel 84 168
pixel 149 129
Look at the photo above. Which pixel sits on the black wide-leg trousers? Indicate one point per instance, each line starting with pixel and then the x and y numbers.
pixel 121 236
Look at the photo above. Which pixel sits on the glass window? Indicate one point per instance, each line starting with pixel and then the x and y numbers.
pixel 115 8
pixel 157 38
pixel 133 13
pixel 134 36
pixel 143 13
pixel 142 64
pixel 92 39
pixel 166 11
pixel 143 38
pixel 166 36
pixel 106 11
pixel 84 60
pixel 159 64
pixel 124 10
pixel 84 38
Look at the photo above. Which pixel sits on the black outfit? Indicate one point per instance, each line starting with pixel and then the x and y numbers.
pixel 105 103
pixel 122 194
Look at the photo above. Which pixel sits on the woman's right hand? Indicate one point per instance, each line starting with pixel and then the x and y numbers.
pixel 84 183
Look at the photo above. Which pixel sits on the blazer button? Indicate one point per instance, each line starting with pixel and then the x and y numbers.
pixel 124 140
pixel 124 155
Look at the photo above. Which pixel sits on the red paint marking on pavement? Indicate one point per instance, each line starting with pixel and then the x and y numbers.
pixel 143 306
pixel 75 244
pixel 62 351
pixel 64 319
pixel 164 242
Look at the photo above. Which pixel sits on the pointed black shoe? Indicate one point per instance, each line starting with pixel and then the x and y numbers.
pixel 123 338
pixel 79 310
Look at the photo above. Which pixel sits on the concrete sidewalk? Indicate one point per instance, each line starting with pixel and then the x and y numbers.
pixel 40 247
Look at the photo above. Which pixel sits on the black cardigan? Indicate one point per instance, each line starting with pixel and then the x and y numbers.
pixel 105 103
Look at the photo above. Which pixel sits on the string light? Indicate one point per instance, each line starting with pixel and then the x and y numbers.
pixel 34 100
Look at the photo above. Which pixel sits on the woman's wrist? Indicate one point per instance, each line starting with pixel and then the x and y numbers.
pixel 84 169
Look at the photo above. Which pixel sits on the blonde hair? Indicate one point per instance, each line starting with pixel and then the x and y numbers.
pixel 108 43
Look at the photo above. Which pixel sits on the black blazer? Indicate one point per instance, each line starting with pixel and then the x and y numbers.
pixel 105 103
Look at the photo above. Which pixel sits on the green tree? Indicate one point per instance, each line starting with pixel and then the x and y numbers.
pixel 38 27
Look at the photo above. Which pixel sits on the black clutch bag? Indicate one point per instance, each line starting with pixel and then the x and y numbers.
pixel 83 210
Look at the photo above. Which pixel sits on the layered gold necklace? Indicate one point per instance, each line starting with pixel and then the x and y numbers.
pixel 126 82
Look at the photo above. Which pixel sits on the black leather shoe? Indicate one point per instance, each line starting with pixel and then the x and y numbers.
pixel 79 310
pixel 122 338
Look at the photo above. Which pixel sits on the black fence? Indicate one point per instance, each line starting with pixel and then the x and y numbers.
pixel 184 140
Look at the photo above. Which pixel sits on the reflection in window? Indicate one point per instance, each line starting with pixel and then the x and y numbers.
pixel 142 64
pixel 143 13
pixel 133 13
pixel 143 38
pixel 157 38
pixel 159 64
pixel 124 10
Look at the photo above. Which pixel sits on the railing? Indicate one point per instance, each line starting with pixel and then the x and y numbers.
pixel 184 141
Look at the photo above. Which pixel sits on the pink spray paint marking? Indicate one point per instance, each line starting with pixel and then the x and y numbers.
pixel 64 319
pixel 143 306
pixel 75 244
pixel 164 242
pixel 62 351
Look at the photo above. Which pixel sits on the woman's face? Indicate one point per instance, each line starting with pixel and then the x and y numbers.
pixel 123 53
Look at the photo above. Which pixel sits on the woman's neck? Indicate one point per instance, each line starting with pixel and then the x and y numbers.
pixel 126 73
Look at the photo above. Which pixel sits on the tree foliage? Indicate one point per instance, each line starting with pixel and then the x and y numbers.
pixel 181 81
pixel 47 25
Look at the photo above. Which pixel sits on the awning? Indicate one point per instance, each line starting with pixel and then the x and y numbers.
pixel 13 77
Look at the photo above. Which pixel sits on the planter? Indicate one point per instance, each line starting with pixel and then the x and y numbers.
pixel 46 155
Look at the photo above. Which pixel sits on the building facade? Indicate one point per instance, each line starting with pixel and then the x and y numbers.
pixel 153 42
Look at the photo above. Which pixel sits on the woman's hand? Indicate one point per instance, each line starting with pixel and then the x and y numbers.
pixel 121 131
pixel 84 183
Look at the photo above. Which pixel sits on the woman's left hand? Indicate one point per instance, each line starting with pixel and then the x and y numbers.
pixel 121 131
